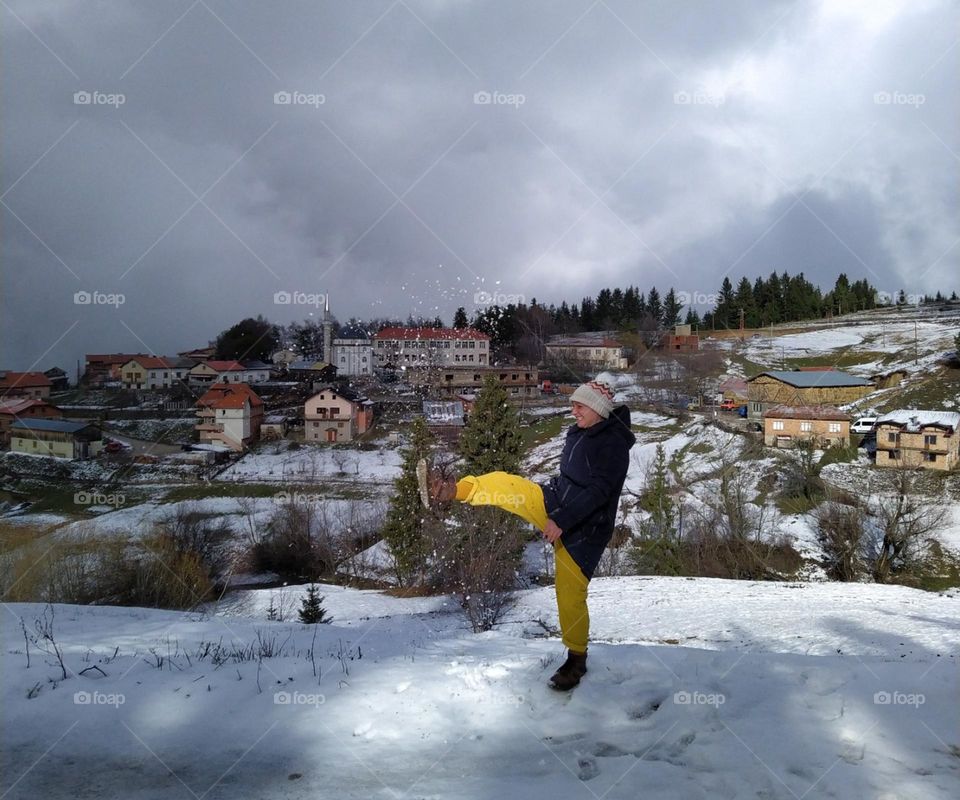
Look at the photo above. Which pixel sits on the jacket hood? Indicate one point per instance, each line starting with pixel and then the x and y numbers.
pixel 619 423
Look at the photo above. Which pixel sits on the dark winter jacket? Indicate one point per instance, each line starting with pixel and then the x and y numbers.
pixel 583 499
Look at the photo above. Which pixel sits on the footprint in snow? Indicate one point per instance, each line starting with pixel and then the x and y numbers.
pixel 587 769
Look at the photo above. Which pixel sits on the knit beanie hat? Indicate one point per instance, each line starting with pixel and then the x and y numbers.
pixel 596 394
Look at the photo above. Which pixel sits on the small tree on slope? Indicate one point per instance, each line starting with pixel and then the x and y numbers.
pixel 405 527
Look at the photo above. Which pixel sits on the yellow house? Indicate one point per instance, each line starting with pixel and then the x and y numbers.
pixel 926 439
pixel 55 437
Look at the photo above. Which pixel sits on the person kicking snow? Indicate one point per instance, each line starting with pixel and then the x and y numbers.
pixel 575 510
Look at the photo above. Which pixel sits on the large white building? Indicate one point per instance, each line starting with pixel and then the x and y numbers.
pixel 593 352
pixel 353 356
pixel 430 347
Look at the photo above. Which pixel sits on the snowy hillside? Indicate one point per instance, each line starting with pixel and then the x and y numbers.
pixel 696 689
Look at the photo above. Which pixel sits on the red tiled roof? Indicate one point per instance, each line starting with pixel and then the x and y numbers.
pixel 229 395
pixel 430 333
pixel 20 404
pixel 816 369
pixel 225 366
pixel 806 412
pixel 153 362
pixel 12 380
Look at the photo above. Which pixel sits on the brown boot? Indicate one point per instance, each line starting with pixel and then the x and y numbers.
pixel 570 673
pixel 435 488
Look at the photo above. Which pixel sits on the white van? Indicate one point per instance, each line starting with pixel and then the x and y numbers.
pixel 863 425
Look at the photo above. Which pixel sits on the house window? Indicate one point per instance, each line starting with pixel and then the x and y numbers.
pixel 894 453
pixel 476 377
pixel 893 438
pixel 931 457
pixel 472 344
pixel 806 426
pixel 778 424
pixel 929 440
pixel 316 424
pixel 834 427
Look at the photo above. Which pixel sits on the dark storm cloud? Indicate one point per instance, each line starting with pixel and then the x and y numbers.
pixel 624 143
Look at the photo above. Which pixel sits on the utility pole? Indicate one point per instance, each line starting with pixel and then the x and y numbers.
pixel 914 342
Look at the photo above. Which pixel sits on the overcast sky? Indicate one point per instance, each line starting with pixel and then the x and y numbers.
pixel 435 154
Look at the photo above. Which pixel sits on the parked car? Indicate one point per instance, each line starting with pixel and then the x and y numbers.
pixel 864 425
pixel 729 405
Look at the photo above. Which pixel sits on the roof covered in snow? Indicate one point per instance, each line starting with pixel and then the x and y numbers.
pixel 914 419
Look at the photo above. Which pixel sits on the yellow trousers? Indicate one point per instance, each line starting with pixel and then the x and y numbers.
pixel 525 499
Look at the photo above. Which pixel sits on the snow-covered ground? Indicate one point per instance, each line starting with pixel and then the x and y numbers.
pixel 896 338
pixel 238 514
pixel 696 689
pixel 311 462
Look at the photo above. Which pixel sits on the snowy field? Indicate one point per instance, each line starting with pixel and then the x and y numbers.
pixel 895 338
pixel 312 462
pixel 696 689
pixel 240 515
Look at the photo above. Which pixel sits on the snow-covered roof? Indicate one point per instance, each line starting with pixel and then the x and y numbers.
pixel 914 419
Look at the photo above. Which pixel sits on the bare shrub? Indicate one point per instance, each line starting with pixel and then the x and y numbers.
pixel 477 559
pixel 905 522
pixel 841 531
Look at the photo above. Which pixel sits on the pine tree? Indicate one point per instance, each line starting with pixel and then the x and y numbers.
pixel 655 307
pixel 658 550
pixel 484 549
pixel 404 528
pixel 656 499
pixel 491 439
pixel 311 607
pixel 671 309
pixel 460 319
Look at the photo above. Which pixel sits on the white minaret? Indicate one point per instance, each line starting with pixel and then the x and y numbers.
pixel 327 331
